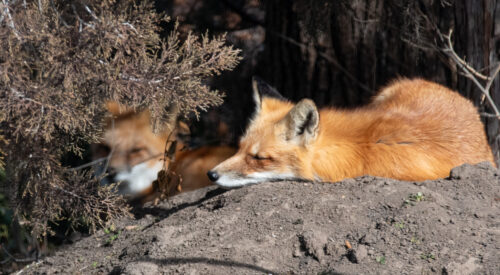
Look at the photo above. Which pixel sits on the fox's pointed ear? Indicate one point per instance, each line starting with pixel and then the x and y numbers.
pixel 261 90
pixel 172 116
pixel 302 122
pixel 183 128
pixel 115 108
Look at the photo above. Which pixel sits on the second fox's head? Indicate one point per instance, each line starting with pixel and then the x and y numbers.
pixel 276 141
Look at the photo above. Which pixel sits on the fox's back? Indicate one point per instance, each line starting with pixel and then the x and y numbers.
pixel 413 129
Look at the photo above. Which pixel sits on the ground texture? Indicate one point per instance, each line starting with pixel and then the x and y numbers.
pixel 365 225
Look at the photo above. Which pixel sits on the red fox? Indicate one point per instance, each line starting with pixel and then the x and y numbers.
pixel 136 155
pixel 412 130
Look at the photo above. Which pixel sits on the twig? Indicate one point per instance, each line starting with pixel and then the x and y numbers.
pixel 135 79
pixel 16 259
pixel 22 96
pixel 88 164
pixel 91 12
pixel 130 26
pixel 96 161
pixel 489 115
pixel 67 192
pixel 492 78
pixel 6 10
pixel 471 73
pixel 28 266
pixel 458 59
pixel 53 6
pixel 82 22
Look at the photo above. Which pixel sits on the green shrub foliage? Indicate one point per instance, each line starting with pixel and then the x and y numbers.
pixel 60 61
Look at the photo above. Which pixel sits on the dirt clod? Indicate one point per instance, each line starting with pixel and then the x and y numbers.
pixel 467 171
pixel 361 253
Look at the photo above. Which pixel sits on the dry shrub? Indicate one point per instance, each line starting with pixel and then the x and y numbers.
pixel 60 61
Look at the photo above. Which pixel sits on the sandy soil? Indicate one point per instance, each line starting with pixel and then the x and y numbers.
pixel 365 225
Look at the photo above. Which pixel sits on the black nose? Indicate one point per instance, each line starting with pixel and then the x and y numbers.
pixel 212 175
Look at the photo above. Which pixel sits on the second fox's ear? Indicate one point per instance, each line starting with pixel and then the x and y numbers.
pixel 263 90
pixel 302 122
pixel 115 108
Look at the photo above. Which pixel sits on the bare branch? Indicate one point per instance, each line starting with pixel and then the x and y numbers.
pixel 489 115
pixel 130 26
pixel 451 51
pixel 24 260
pixel 88 164
pixel 470 73
pixel 492 78
pixel 6 11
pixel 91 12
pixel 53 6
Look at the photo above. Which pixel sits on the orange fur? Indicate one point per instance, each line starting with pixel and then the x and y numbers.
pixel 412 130
pixel 131 141
pixel 192 165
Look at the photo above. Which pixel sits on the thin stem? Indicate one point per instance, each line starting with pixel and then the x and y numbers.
pixel 471 73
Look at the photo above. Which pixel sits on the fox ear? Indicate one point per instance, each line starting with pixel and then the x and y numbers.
pixel 172 119
pixel 261 90
pixel 115 108
pixel 302 122
pixel 183 128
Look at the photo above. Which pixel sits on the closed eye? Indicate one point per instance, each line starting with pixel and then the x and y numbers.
pixel 137 150
pixel 259 157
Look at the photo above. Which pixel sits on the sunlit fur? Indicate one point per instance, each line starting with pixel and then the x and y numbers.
pixel 136 155
pixel 413 130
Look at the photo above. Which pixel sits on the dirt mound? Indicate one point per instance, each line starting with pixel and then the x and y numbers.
pixel 358 226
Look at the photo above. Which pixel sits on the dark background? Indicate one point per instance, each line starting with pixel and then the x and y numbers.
pixel 339 52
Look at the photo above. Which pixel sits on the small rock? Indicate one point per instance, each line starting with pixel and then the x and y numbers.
pixel 296 253
pixel 361 253
pixel 334 249
pixel 312 245
pixel 141 268
pixel 368 239
pixel 131 227
pixel 469 267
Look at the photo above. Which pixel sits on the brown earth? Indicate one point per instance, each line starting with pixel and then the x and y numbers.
pixel 448 226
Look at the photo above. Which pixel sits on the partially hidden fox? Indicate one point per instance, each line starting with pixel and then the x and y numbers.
pixel 136 155
pixel 412 130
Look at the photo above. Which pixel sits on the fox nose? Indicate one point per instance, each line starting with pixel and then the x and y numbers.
pixel 212 175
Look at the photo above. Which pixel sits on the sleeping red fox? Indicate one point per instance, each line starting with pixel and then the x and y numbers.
pixel 136 155
pixel 412 130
